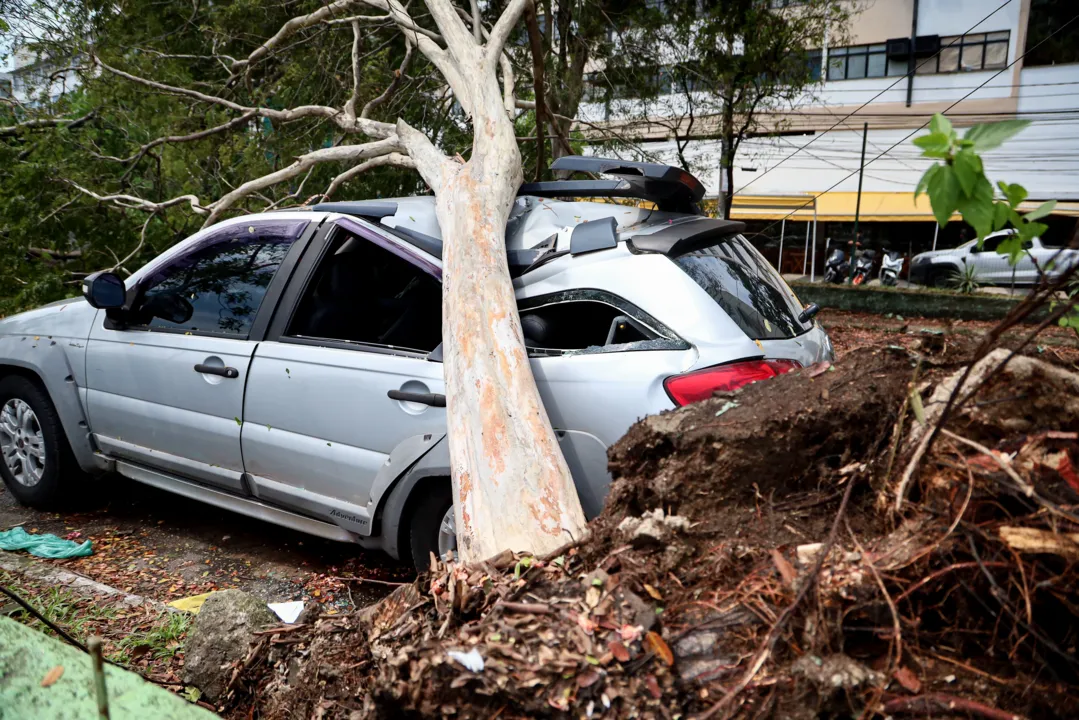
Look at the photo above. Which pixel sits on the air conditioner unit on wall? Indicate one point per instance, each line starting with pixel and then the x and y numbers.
pixel 924 45
pixel 898 47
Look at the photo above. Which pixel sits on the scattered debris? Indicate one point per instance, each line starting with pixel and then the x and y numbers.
pixel 44 545
pixel 704 587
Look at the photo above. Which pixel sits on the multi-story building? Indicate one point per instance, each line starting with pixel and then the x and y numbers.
pixel 979 60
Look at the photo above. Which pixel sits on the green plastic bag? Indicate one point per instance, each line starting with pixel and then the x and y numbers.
pixel 46 546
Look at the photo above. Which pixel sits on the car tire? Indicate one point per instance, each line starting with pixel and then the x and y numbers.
pixel 426 522
pixel 36 461
pixel 944 278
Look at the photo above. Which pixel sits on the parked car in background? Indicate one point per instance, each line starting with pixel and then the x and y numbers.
pixel 288 365
pixel 942 268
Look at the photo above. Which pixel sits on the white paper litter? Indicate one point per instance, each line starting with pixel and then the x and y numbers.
pixel 287 611
pixel 472 660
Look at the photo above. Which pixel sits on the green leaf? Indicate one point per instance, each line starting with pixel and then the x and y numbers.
pixel 934 145
pixel 1041 211
pixel 238 421
pixel 992 135
pixel 942 125
pixel 1001 210
pixel 916 406
pixel 977 208
pixel 1012 247
pixel 924 182
pixel 943 190
pixel 1033 230
pixel 968 168
pixel 1015 193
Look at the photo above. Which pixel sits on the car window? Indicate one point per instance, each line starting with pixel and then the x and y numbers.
pixel 365 293
pixel 747 287
pixel 990 244
pixel 218 285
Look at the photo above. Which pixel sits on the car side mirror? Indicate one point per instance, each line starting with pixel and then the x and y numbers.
pixel 169 306
pixel 808 314
pixel 104 290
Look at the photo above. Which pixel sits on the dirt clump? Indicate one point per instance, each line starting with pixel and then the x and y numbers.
pixel 798 549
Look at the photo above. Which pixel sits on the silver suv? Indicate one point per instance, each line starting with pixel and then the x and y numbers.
pixel 288 366
pixel 985 266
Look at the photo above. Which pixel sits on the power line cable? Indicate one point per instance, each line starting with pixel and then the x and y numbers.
pixel 911 73
pixel 923 125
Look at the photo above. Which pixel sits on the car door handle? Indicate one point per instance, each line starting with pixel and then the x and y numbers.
pixel 228 372
pixel 432 399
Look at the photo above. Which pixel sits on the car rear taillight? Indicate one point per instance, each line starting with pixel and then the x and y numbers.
pixel 702 384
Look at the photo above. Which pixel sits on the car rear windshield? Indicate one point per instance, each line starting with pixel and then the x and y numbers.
pixel 747 287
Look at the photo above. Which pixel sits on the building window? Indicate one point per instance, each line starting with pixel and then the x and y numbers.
pixel 1046 46
pixel 967 53
pixel 857 62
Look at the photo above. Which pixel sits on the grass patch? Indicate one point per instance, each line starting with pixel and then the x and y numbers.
pixel 161 641
pixel 79 616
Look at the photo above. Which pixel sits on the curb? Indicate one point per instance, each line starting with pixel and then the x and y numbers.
pixel 43 572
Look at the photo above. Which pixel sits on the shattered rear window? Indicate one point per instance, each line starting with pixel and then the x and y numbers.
pixel 747 287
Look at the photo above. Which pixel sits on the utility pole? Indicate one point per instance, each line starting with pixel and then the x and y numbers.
pixel 858 202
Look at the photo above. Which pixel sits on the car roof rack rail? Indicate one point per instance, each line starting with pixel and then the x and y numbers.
pixel 671 189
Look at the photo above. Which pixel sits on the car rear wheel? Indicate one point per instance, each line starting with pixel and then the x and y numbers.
pixel 34 453
pixel 432 528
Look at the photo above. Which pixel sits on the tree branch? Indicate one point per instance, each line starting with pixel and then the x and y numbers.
pixel 131 202
pixel 302 163
pixel 398 77
pixel 500 33
pixel 392 160
pixel 535 41
pixel 357 40
pixel 45 123
pixel 291 27
pixel 371 128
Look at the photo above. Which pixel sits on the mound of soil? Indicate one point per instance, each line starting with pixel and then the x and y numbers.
pixel 798 549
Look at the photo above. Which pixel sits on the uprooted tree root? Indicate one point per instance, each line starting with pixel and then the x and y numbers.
pixel 724 579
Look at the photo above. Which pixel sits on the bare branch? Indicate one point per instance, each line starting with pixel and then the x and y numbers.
pixel 302 163
pixel 357 42
pixel 54 254
pixel 138 154
pixel 459 42
pixel 398 77
pixel 45 123
pixel 131 202
pixel 500 33
pixel 477 26
pixel 291 27
pixel 138 248
pixel 368 127
pixel 393 160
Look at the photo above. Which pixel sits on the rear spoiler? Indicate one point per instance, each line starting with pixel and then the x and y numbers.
pixel 685 237
pixel 670 188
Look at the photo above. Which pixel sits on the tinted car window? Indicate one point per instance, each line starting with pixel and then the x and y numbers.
pixel 747 287
pixel 369 294
pixel 219 285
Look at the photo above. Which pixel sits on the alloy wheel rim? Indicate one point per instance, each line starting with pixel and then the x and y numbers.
pixel 22 442
pixel 447 536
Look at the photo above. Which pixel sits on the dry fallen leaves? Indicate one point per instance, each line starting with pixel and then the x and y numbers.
pixel 52 676
pixel 659 646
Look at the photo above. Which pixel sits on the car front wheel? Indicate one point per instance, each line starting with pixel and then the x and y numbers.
pixel 34 450
pixel 433 528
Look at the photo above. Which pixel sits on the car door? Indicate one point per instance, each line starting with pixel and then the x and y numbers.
pixel 345 375
pixel 165 379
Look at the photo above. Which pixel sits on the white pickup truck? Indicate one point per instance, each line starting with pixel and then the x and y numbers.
pixel 943 267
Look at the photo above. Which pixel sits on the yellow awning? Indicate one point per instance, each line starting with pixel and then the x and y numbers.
pixel 839 207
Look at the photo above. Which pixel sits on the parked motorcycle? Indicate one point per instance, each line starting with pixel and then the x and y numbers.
pixel 890 267
pixel 863 267
pixel 836 267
